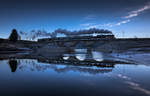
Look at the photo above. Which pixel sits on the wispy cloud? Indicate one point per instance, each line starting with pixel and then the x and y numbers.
pixel 86 24
pixel 133 14
pixel 123 22
pixel 138 11
pixel 90 17
pixel 94 25
pixel 126 19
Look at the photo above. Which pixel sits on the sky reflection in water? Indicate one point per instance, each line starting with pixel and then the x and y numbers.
pixel 33 77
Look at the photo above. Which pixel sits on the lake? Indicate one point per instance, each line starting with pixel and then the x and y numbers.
pixel 72 75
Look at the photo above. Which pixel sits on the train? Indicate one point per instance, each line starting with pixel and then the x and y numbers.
pixel 78 38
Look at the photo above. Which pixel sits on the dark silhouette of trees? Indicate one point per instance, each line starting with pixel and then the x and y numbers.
pixel 13 65
pixel 14 36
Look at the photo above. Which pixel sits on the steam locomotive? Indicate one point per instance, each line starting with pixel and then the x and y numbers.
pixel 79 38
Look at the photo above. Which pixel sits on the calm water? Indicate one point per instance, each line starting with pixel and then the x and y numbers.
pixel 31 77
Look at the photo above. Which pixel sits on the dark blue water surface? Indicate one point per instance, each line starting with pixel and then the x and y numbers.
pixel 72 75
pixel 28 77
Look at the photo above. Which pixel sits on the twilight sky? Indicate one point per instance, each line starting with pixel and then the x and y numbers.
pixel 131 17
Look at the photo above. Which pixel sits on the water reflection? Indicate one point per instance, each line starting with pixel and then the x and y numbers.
pixel 80 57
pixel 98 56
pixel 84 55
pixel 83 69
pixel 74 56
pixel 34 65
pixel 65 57
pixel 80 69
pixel 35 76
pixel 13 65
pixel 77 60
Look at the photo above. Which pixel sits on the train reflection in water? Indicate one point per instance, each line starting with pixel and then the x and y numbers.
pixel 85 63
pixel 44 65
pixel 79 60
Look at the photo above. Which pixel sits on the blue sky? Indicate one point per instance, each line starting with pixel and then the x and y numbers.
pixel 130 17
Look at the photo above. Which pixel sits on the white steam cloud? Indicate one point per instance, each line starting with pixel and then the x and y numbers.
pixel 32 35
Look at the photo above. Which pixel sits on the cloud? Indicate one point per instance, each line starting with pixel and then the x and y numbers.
pixel 138 11
pixel 86 24
pixel 94 25
pixel 90 17
pixel 126 19
pixel 123 22
pixel 134 13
